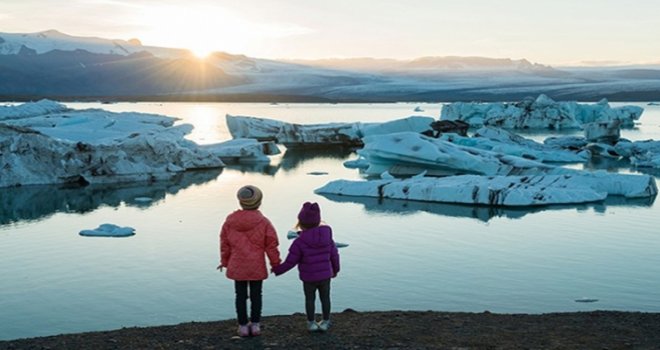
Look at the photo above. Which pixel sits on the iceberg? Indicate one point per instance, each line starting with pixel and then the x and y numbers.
pixel 29 157
pixel 408 153
pixel 45 142
pixel 27 110
pixel 479 212
pixel 502 141
pixel 243 150
pixel 644 154
pixel 607 131
pixel 109 230
pixel 541 113
pixel 566 142
pixel 514 191
pixel 300 135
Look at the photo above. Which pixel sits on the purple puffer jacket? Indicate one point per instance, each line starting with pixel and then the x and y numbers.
pixel 315 253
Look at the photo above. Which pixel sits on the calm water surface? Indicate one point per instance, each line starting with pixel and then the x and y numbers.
pixel 413 256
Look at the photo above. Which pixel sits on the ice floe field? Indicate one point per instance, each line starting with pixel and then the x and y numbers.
pixel 597 249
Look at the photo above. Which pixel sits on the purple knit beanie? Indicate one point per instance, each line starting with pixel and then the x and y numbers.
pixel 310 214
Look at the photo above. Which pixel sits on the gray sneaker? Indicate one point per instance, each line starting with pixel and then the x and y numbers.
pixel 324 325
pixel 312 326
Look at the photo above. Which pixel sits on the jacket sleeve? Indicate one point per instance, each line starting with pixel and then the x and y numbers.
pixel 334 258
pixel 292 259
pixel 271 247
pixel 225 248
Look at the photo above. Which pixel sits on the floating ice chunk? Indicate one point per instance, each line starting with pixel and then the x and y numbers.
pixel 95 146
pixel 567 142
pixel 292 135
pixel 298 135
pixel 603 150
pixel 473 189
pixel 505 142
pixel 31 109
pixel 359 163
pixel 243 150
pixel 109 230
pixel 586 300
pixel 607 131
pixel 645 154
pixel 541 113
pixel 501 190
pixel 413 153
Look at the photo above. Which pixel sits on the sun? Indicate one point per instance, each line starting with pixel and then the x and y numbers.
pixel 200 29
pixel 201 52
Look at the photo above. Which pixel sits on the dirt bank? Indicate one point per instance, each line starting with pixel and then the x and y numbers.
pixel 386 330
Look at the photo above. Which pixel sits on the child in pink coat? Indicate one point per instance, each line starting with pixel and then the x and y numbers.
pixel 246 237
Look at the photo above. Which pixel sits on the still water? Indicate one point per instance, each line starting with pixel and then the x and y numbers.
pixel 409 256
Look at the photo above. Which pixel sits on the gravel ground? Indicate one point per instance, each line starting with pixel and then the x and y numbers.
pixel 385 330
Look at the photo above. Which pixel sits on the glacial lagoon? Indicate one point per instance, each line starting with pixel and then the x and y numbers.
pixel 401 255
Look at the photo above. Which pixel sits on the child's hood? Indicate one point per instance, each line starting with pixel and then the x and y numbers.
pixel 317 237
pixel 245 220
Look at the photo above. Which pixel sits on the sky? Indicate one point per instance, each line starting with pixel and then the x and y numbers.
pixel 555 32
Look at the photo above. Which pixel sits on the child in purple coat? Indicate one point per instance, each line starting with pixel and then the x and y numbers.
pixel 316 255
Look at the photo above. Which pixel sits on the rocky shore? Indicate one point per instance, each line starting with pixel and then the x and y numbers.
pixel 385 330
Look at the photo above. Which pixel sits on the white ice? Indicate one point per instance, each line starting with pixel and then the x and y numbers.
pixel 243 150
pixel 641 153
pixel 534 190
pixel 349 134
pixel 542 113
pixel 46 143
pixel 108 230
pixel 413 152
pixel 502 141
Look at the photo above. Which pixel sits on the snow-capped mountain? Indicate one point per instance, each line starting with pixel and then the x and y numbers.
pixel 431 63
pixel 54 64
pixel 42 42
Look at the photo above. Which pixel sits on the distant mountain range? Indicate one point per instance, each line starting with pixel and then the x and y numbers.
pixel 55 65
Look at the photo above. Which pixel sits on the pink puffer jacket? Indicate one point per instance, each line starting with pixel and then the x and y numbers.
pixel 245 237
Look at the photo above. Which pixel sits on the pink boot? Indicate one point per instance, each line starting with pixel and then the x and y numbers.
pixel 255 329
pixel 243 331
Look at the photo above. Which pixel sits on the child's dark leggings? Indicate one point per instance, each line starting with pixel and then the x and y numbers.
pixel 310 298
pixel 241 288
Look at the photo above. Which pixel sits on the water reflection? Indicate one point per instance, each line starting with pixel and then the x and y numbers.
pixel 259 168
pixel 29 203
pixel 294 157
pixel 481 213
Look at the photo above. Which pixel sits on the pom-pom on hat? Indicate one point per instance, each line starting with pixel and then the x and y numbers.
pixel 249 197
pixel 310 215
